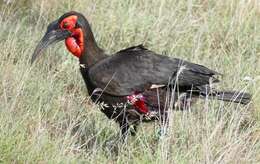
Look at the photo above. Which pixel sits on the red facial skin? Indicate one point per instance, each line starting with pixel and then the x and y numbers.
pixel 74 43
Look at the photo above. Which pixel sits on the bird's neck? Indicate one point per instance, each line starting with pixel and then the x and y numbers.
pixel 92 52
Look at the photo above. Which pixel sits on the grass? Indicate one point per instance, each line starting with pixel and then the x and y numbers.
pixel 42 104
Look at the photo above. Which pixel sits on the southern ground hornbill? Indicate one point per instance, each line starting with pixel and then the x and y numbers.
pixel 135 84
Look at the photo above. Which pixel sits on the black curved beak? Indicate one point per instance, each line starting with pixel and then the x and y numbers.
pixel 53 35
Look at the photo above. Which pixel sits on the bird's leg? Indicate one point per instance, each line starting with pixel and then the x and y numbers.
pixel 133 119
pixel 124 127
pixel 128 125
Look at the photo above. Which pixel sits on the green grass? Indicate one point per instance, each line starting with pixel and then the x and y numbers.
pixel 42 104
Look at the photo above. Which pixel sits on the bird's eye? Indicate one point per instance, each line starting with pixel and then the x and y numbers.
pixel 65 25
pixel 68 23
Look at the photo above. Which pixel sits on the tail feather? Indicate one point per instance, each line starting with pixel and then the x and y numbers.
pixel 230 96
pixel 234 96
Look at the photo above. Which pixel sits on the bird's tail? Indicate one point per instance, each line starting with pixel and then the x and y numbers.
pixel 233 96
pixel 230 96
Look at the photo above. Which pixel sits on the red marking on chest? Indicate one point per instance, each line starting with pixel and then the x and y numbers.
pixel 137 100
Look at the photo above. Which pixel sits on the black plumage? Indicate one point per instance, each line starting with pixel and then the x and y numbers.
pixel 136 69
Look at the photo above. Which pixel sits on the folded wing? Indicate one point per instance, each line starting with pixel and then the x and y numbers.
pixel 136 69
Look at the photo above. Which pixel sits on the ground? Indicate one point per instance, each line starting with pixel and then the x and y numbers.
pixel 45 112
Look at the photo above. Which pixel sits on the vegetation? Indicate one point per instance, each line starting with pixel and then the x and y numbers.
pixel 45 112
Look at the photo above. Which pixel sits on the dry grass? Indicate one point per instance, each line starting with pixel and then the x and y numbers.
pixel 41 105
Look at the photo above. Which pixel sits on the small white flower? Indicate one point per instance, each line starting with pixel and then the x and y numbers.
pixel 248 78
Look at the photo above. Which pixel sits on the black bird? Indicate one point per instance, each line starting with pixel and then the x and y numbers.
pixel 134 84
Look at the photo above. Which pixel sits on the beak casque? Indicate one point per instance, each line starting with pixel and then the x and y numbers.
pixel 53 35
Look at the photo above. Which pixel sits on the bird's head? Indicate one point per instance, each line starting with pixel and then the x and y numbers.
pixel 68 27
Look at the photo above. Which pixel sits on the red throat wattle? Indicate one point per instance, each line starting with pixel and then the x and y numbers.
pixel 74 43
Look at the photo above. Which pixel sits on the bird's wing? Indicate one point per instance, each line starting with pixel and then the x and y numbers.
pixel 136 69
